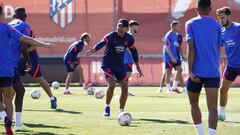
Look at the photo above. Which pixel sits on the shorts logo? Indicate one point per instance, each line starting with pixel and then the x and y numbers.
pixel 62 12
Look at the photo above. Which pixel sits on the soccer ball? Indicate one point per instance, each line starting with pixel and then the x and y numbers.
pixel 55 85
pixel 124 119
pixel 35 94
pixel 90 90
pixel 99 94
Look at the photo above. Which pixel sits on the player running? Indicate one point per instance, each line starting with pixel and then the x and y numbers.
pixel 8 33
pixel 116 43
pixel 203 35
pixel 231 42
pixel 172 56
pixel 128 59
pixel 72 62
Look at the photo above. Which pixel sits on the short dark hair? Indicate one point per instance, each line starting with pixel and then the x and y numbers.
pixel 204 4
pixel 84 35
pixel 225 10
pixel 1 9
pixel 20 13
pixel 133 22
pixel 173 23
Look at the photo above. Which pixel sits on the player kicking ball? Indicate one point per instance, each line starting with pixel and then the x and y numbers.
pixel 115 44
pixel 72 62
pixel 7 68
pixel 172 57
pixel 231 43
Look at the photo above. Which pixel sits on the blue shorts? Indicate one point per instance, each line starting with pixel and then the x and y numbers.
pixel 71 66
pixel 36 70
pixel 6 81
pixel 128 67
pixel 118 73
pixel 231 73
pixel 206 82
pixel 16 77
pixel 170 64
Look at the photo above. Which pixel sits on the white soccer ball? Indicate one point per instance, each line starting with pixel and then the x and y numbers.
pixel 90 90
pixel 124 119
pixel 99 94
pixel 35 94
pixel 55 85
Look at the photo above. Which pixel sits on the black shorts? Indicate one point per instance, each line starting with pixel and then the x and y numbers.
pixel 231 73
pixel 118 73
pixel 6 81
pixel 206 82
pixel 170 64
pixel 36 70
pixel 71 66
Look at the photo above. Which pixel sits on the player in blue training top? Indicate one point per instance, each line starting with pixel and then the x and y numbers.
pixel 72 62
pixel 179 80
pixel 116 43
pixel 231 43
pixel 19 23
pixel 128 59
pixel 203 35
pixel 8 33
pixel 171 55
pixel 36 72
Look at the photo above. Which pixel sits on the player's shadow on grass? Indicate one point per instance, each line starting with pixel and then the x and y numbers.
pixel 31 125
pixel 57 110
pixel 235 122
pixel 166 121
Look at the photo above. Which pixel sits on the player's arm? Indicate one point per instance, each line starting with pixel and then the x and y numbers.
pixel 32 48
pixel 26 57
pixel 170 54
pixel 191 52
pixel 167 44
pixel 34 42
pixel 98 46
pixel 134 52
pixel 24 47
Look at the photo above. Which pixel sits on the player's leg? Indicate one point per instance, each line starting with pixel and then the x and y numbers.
pixel 168 70
pixel 128 69
pixel 19 96
pixel 68 81
pixel 182 83
pixel 110 90
pixel 7 95
pixel 70 75
pixel 177 78
pixel 162 83
pixel 212 85
pixel 45 85
pixel 194 90
pixel 124 94
pixel 81 76
pixel 36 73
pixel 229 76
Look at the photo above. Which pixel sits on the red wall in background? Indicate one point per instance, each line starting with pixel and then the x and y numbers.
pixel 99 17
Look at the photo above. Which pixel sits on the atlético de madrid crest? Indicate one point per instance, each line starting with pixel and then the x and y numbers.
pixel 62 12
